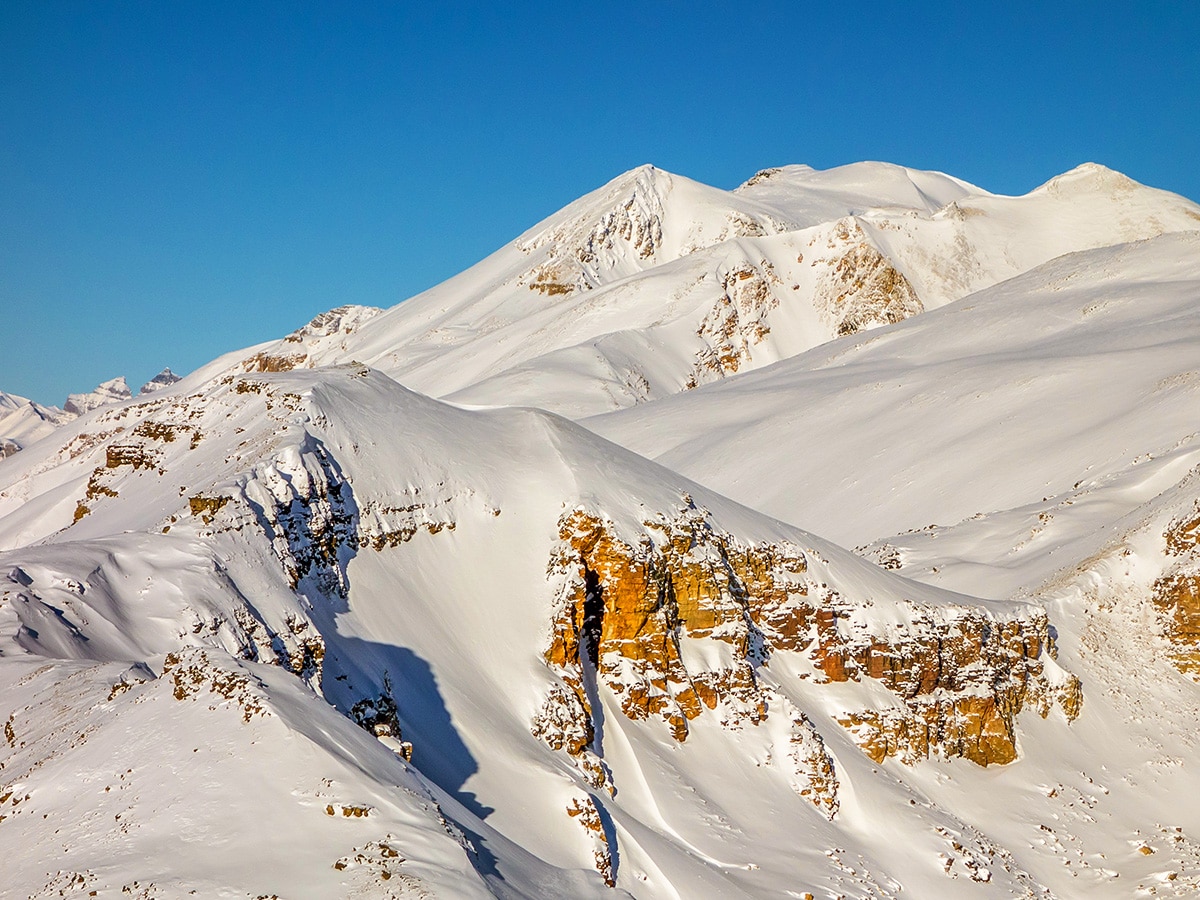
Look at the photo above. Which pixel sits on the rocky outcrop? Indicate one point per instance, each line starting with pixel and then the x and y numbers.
pixel 296 646
pixel 736 322
pixel 307 509
pixel 758 177
pixel 580 251
pixel 861 289
pixel 301 348
pixel 584 811
pixel 377 869
pixel 195 675
pixel 1176 593
pixel 381 717
pixel 962 677
pixel 634 619
pixel 627 614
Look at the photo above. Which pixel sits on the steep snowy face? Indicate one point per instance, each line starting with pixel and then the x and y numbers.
pixel 9 402
pixel 639 220
pixel 527 613
pixel 22 422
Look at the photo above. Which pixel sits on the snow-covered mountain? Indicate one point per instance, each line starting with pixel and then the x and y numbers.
pixel 292 626
pixel 22 422
pixel 655 284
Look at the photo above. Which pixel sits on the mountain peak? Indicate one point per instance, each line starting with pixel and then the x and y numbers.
pixel 112 391
pixel 163 379
pixel 1087 177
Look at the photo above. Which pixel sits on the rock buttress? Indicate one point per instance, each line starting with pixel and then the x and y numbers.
pixel 960 676
pixel 1176 593
pixel 861 289
pixel 628 613
pixel 736 322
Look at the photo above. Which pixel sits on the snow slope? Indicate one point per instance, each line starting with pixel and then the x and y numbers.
pixel 1028 396
pixel 22 421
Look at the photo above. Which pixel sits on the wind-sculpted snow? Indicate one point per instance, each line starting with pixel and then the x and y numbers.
pixel 199 775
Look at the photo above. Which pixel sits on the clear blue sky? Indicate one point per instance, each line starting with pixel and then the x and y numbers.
pixel 181 179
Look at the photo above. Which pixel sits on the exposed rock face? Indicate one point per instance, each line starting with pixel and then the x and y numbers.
pixel 862 289
pixel 856 288
pixel 552 280
pixel 584 811
pixel 113 391
pixel 625 611
pixel 629 616
pixel 582 249
pixel 197 676
pixel 325 331
pixel 736 322
pixel 962 676
pixel 308 510
pixel 1177 592
pixel 758 177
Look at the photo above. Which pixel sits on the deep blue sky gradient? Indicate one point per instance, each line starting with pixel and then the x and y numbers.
pixel 182 179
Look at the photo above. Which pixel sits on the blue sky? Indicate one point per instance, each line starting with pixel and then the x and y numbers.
pixel 182 179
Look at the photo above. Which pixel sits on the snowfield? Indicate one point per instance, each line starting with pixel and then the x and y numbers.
pixel 836 536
